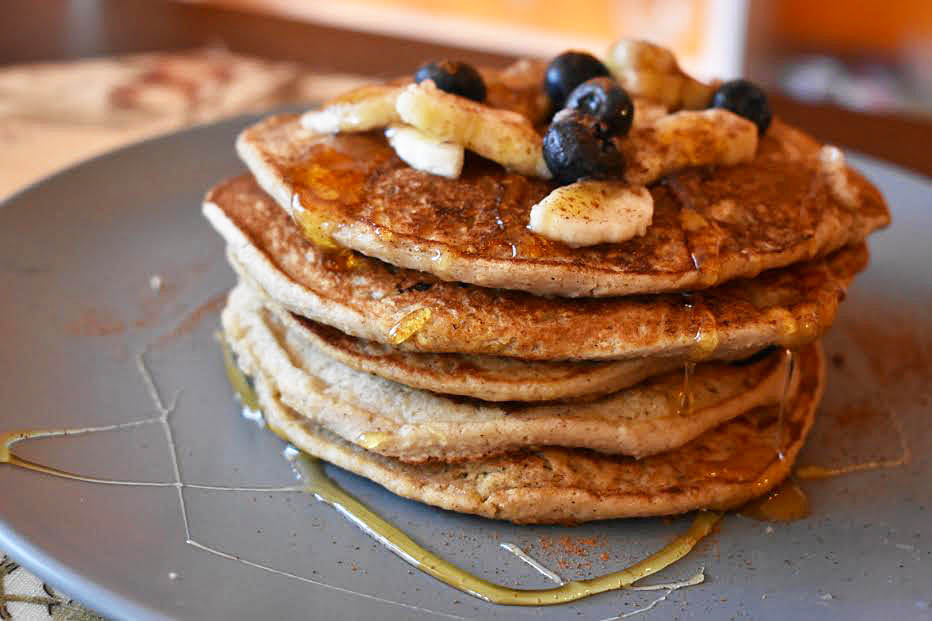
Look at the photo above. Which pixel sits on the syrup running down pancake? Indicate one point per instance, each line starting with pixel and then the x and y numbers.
pixel 368 298
pixel 720 469
pixel 413 425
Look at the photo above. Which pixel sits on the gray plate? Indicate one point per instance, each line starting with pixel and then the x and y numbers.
pixel 76 255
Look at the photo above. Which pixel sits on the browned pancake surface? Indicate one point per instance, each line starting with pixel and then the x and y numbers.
pixel 367 298
pixel 491 378
pixel 412 425
pixel 710 224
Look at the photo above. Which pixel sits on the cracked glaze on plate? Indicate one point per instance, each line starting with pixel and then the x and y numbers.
pixel 77 256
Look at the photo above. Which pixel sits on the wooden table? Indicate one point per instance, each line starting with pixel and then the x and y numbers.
pixel 60 29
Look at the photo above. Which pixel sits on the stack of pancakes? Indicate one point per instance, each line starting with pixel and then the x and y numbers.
pixel 411 329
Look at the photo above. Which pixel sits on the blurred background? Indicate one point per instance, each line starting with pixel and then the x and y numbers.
pixel 867 54
pixel 90 75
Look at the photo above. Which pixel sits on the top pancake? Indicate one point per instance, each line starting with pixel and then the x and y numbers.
pixel 771 212
pixel 367 298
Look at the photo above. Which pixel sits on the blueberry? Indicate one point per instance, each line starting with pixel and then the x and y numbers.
pixel 575 146
pixel 453 77
pixel 744 99
pixel 604 99
pixel 569 70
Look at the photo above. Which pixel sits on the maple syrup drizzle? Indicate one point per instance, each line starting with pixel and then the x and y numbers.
pixel 686 398
pixel 703 239
pixel 325 490
pixel 409 325
pixel 786 503
pixel 11 438
pixel 790 357
pixel 7 440
pixel 241 387
pixel 319 231
pixel 795 332
pixel 705 343
pixel 317 483
pixel 811 472
pixel 322 487
pixel 706 338
pixel 372 439
pixel 316 229
pixel 7 456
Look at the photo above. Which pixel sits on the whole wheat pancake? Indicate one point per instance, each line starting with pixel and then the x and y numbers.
pixel 369 299
pixel 771 212
pixel 491 378
pixel 721 469
pixel 414 425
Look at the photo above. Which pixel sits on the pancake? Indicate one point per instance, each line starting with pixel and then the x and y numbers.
pixel 771 212
pixel 369 299
pixel 490 378
pixel 721 469
pixel 414 425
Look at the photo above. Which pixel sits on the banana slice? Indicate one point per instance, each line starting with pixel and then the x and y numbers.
pixel 835 172
pixel 687 138
pixel 648 70
pixel 592 212
pixel 499 135
pixel 425 153
pixel 641 56
pixel 361 109
pixel 661 87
